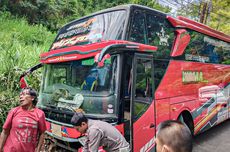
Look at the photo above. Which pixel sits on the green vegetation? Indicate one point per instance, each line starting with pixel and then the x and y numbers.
pixel 20 47
pixel 220 16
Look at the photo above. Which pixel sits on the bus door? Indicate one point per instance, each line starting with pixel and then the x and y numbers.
pixel 142 106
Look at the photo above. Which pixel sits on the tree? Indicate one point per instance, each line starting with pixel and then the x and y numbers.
pixel 152 4
pixel 220 16
pixel 55 13
pixel 214 13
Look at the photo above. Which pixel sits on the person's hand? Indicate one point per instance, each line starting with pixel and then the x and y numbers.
pixel 38 150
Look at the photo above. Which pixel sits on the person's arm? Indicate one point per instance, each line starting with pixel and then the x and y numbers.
pixel 85 146
pixel 7 127
pixel 4 135
pixel 40 142
pixel 41 130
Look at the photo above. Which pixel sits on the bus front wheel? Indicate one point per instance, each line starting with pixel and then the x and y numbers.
pixel 186 118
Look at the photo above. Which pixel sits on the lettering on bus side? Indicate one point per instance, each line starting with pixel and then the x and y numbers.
pixel 192 77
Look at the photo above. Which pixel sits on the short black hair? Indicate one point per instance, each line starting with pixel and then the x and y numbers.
pixel 176 135
pixel 33 93
pixel 78 118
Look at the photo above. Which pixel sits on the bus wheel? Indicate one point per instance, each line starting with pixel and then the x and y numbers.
pixel 186 118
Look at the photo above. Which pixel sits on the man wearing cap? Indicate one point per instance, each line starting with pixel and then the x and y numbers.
pixel 99 133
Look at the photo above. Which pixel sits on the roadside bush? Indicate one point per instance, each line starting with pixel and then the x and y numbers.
pixel 20 47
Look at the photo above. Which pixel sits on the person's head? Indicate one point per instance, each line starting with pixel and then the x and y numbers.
pixel 80 122
pixel 173 136
pixel 28 97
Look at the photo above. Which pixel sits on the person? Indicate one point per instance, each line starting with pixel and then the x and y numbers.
pixel 23 130
pixel 173 136
pixel 99 133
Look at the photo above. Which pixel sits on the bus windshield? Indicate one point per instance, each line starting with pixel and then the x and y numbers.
pixel 105 26
pixel 80 85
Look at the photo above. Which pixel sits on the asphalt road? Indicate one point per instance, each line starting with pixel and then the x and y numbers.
pixel 216 139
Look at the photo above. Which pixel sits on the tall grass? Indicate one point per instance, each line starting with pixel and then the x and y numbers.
pixel 20 47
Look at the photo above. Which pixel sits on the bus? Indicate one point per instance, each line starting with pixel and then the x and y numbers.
pixel 134 67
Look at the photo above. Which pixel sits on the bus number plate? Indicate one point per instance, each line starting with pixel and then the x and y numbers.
pixel 56 130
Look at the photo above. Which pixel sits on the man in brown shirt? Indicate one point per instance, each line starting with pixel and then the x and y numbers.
pixel 99 133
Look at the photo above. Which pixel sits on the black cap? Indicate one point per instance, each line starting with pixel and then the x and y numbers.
pixel 78 118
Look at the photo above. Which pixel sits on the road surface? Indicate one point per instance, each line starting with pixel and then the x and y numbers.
pixel 216 139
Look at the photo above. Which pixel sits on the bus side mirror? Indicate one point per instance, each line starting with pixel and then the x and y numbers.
pixel 181 41
pixel 23 83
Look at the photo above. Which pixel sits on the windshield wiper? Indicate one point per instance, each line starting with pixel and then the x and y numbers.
pixel 59 110
pixel 109 118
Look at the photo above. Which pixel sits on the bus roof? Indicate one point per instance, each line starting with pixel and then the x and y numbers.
pixel 180 21
pixel 120 7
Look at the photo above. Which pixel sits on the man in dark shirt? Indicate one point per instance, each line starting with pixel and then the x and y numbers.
pixel 99 133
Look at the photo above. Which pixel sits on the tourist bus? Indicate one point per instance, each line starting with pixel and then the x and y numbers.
pixel 134 67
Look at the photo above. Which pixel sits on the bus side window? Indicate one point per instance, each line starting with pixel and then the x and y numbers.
pixel 153 27
pixel 206 49
pixel 160 34
pixel 143 89
pixel 138 30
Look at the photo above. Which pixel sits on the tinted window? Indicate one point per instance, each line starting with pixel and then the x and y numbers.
pixel 160 34
pixel 154 30
pixel 206 49
pixel 138 31
pixel 143 90
pixel 106 26
pixel 160 67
